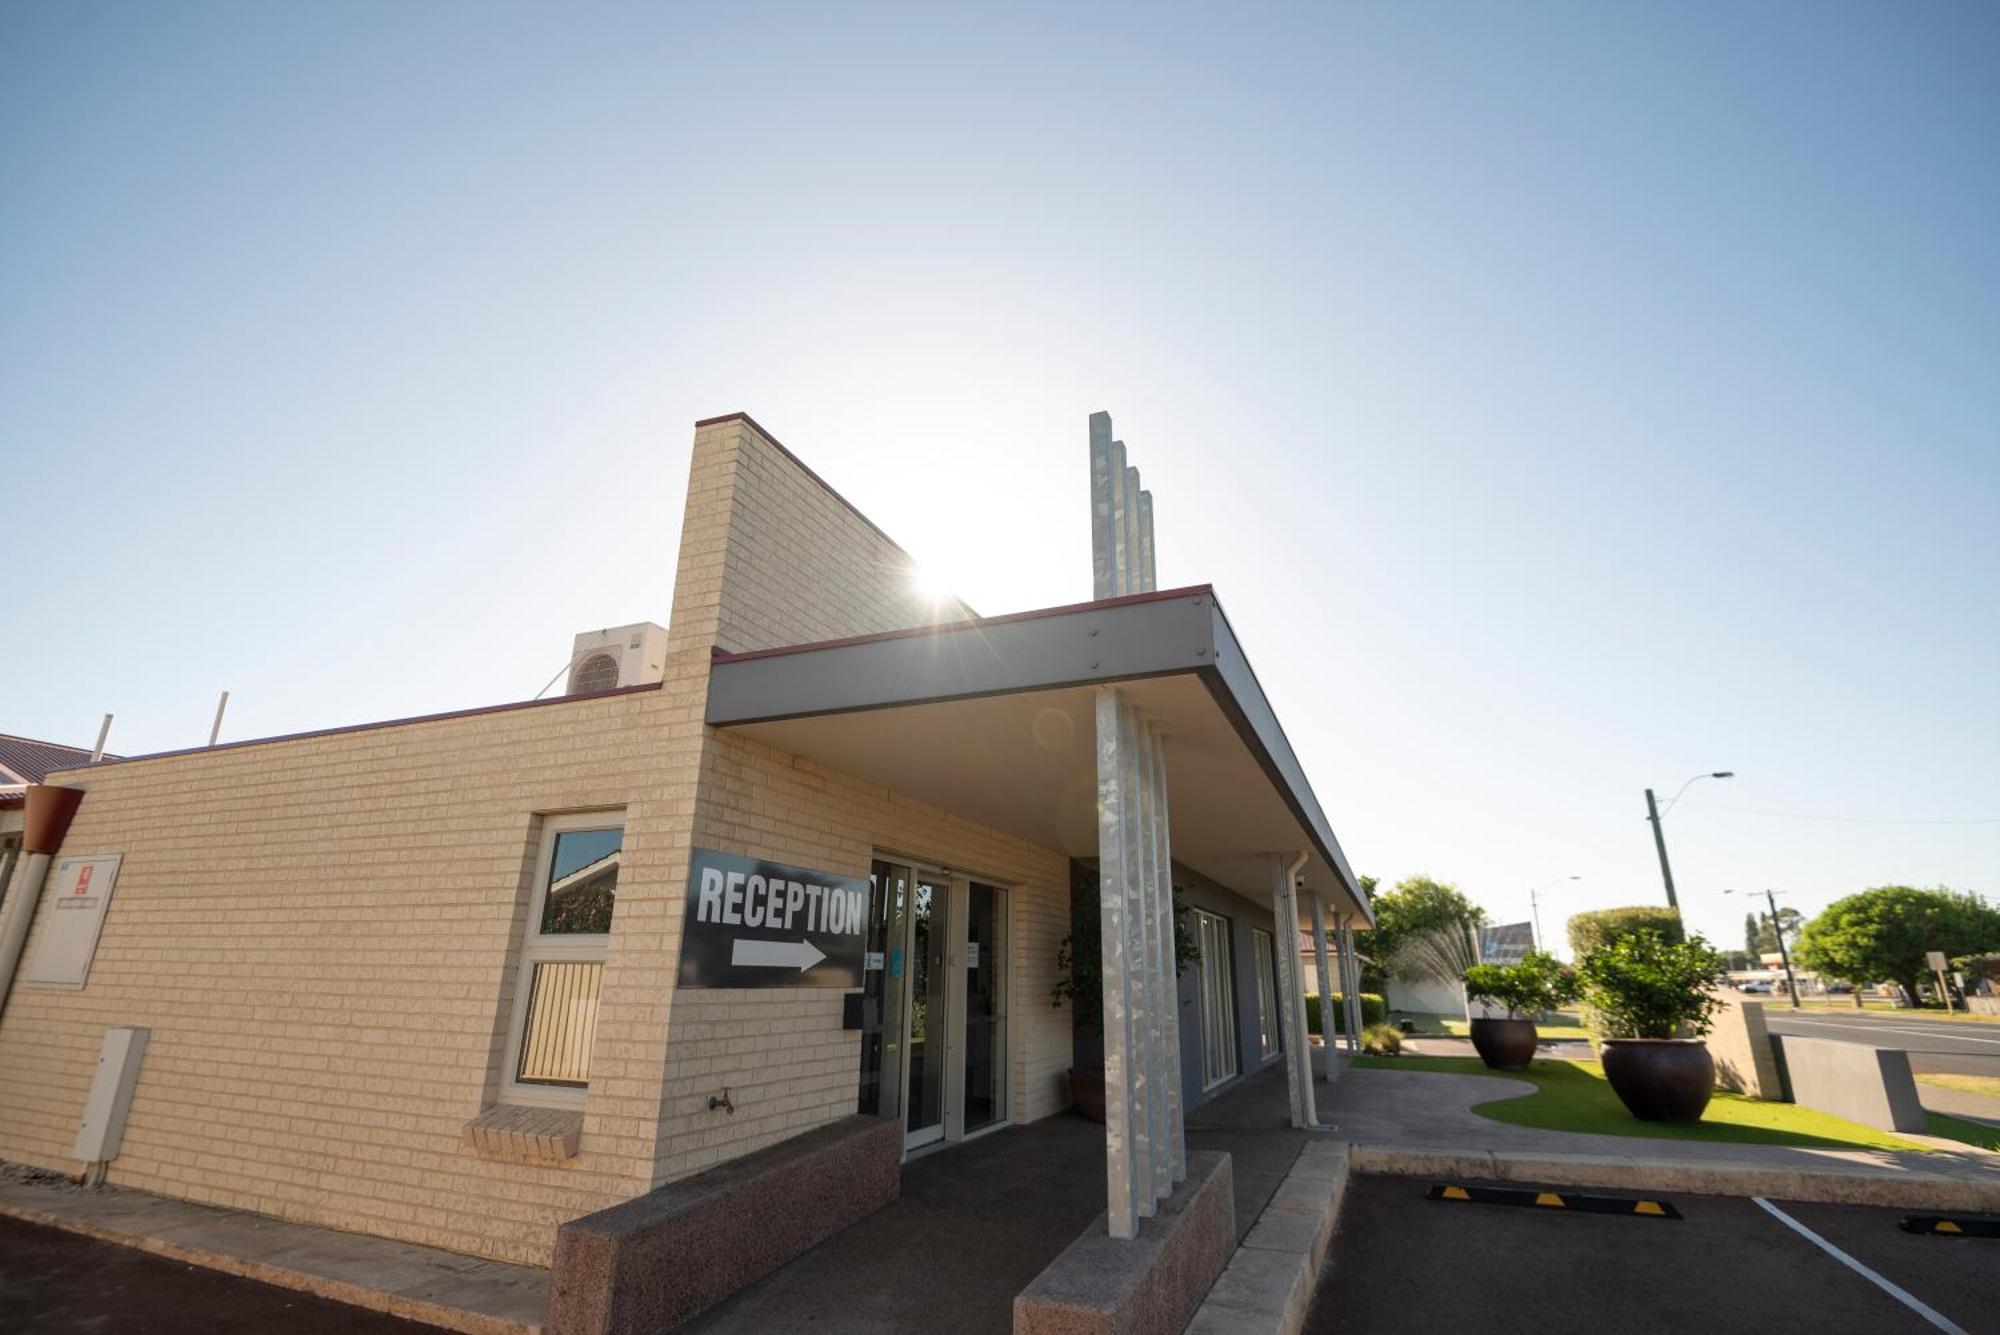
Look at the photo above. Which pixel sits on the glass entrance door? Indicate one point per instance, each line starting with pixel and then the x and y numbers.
pixel 982 1098
pixel 928 1008
pixel 934 1003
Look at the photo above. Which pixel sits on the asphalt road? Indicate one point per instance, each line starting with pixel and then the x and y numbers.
pixel 1401 1262
pixel 1944 1046
pixel 62 1284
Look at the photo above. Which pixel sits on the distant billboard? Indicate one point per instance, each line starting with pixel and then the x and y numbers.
pixel 1506 943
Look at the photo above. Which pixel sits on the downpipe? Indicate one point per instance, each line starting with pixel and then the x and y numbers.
pixel 49 810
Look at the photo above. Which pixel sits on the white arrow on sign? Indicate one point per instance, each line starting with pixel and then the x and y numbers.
pixel 801 955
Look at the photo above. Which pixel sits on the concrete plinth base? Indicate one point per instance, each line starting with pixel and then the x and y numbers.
pixel 1153 1282
pixel 1872 1086
pixel 656 1260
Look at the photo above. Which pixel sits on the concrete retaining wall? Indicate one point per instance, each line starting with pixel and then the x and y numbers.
pixel 1872 1086
pixel 1741 1045
pixel 1102 1285
pixel 655 1261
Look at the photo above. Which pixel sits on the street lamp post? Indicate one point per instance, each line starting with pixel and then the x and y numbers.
pixel 1535 907
pixel 1778 930
pixel 1653 814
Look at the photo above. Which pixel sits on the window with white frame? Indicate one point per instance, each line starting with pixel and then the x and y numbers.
pixel 1265 957
pixel 562 959
pixel 1216 989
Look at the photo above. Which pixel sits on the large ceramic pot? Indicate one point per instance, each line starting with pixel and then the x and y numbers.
pixel 1660 1079
pixel 1504 1045
pixel 1086 1091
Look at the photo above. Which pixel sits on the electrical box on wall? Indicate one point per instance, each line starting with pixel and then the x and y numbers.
pixel 103 1125
pixel 634 655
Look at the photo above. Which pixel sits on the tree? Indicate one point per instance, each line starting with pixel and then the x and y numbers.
pixel 1790 921
pixel 1885 933
pixel 1752 936
pixel 1588 931
pixel 1416 909
pixel 1647 984
pixel 1538 984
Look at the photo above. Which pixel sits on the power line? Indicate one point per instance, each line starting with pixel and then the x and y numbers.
pixel 1853 820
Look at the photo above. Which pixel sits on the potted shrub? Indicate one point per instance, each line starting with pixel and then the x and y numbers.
pixel 1654 998
pixel 1538 983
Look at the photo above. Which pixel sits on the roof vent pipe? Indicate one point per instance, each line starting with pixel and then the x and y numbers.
pixel 49 808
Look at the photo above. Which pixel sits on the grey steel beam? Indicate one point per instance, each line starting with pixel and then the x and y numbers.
pixel 1089 644
pixel 1120 1107
pixel 1246 697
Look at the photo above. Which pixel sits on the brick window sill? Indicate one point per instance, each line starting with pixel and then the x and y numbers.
pixel 530 1135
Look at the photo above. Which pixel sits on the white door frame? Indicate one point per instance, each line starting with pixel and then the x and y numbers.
pixel 955 890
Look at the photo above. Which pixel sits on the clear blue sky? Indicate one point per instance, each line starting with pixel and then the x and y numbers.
pixel 1563 398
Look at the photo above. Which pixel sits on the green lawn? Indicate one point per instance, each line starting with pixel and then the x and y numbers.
pixel 1573 1096
pixel 1957 1128
pixel 1558 1025
pixel 1778 1001
pixel 1971 1084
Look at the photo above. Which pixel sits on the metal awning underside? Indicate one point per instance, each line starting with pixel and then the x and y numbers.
pixel 992 720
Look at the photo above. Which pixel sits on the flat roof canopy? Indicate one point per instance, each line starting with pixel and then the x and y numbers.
pixel 994 720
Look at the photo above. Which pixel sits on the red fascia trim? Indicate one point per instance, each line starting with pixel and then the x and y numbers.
pixel 13 803
pixel 369 727
pixel 972 623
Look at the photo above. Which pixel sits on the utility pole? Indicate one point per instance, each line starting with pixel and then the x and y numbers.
pixel 1778 930
pixel 1653 814
pixel 1660 842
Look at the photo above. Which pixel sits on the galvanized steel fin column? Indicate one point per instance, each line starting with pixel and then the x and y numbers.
pixel 1170 962
pixel 1320 949
pixel 1120 1104
pixel 1145 1149
pixel 1291 989
pixel 1353 988
pixel 1121 518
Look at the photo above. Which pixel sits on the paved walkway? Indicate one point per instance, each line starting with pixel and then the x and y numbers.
pixel 1960 1103
pixel 977 1222
pixel 443 1288
pixel 1431 1110
pixel 58 1283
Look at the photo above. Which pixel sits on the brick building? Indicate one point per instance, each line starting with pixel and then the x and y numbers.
pixel 437 979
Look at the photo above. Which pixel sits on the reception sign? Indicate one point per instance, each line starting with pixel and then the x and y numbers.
pixel 751 923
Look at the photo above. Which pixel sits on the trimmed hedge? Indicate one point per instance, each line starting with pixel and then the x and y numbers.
pixel 1374 1010
pixel 1588 931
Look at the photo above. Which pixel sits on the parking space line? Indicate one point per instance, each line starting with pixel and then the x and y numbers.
pixel 1901 1295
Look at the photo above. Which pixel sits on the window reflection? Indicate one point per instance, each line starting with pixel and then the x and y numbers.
pixel 583 883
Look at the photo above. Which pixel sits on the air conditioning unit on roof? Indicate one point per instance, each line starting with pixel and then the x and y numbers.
pixel 621 656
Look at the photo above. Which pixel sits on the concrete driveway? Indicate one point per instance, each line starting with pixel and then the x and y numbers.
pixel 1401 1262
pixel 1959 1047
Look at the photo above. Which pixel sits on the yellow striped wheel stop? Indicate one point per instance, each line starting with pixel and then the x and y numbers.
pixel 1952 1226
pixel 1555 1200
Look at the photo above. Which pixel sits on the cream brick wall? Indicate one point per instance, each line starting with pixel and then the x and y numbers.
pixel 320 935
pixel 322 932
pixel 798 565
